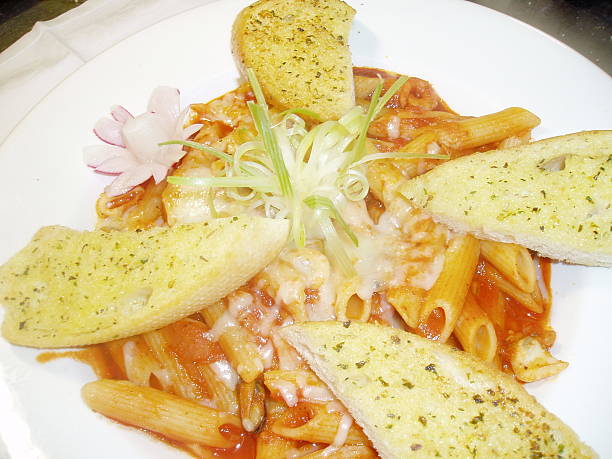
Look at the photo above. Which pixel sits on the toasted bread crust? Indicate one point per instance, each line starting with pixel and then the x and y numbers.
pixel 299 52
pixel 417 398
pixel 518 195
pixel 73 288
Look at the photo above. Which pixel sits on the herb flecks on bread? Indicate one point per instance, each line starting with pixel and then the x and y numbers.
pixel 73 288
pixel 299 52
pixel 421 399
pixel 553 196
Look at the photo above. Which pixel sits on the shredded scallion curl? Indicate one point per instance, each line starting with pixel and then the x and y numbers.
pixel 308 176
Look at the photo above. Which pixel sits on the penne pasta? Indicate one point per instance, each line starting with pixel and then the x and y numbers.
pixel 492 303
pixel 483 130
pixel 408 302
pixel 532 362
pixel 411 167
pixel 272 446
pixel 475 331
pixel 384 178
pixel 348 451
pixel 174 417
pixel 292 386
pixel 252 404
pixel 349 306
pixel 222 395
pixel 315 424
pixel 512 261
pixel 140 365
pixel 180 381
pixel 443 303
pixel 526 299
pixel 241 351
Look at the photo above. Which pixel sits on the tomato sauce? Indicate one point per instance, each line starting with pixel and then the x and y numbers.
pixel 98 357
pixel 512 321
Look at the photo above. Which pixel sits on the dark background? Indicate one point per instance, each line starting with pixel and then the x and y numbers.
pixel 585 25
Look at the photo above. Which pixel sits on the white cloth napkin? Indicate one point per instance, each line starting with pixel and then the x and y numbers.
pixel 44 57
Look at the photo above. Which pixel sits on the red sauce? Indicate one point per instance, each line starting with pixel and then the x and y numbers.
pixel 188 339
pixel 432 329
pixel 98 357
pixel 312 295
pixel 297 416
pixel 511 320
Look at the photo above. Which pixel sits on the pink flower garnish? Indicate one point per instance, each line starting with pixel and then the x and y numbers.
pixel 132 150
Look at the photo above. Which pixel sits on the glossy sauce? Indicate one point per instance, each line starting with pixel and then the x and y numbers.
pixel 100 358
pixel 511 320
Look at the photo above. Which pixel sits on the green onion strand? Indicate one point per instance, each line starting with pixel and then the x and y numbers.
pixel 326 205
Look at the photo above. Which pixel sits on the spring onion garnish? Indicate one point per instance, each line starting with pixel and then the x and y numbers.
pixel 308 176
pixel 324 205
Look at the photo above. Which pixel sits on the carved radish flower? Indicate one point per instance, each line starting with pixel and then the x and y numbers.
pixel 131 150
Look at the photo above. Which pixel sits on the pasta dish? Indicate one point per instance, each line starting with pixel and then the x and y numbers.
pixel 363 254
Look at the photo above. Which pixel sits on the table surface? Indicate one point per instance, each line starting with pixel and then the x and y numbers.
pixel 585 25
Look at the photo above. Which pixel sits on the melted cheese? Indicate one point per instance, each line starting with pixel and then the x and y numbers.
pixel 267 354
pixel 346 421
pixel 425 279
pixel 239 304
pixel 225 373
pixel 323 309
pixel 378 263
pixel 223 323
pixel 287 390
pixel 315 394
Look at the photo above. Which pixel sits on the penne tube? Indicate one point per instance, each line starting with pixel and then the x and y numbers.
pixel 410 167
pixel 526 299
pixel 289 285
pixel 407 301
pixel 294 385
pixel 512 261
pixel 140 365
pixel 348 451
pixel 161 412
pixel 272 446
pixel 515 140
pixel 475 331
pixel 491 300
pixel 444 301
pixel 349 306
pixel 180 381
pixel 320 426
pixel 201 452
pixel 482 130
pixel 114 350
pixel 224 397
pixel 532 362
pixel 384 179
pixel 236 343
pixel 252 404
pixel 288 358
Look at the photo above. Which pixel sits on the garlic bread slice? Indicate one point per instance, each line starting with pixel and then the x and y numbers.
pixel 417 398
pixel 553 196
pixel 299 52
pixel 73 288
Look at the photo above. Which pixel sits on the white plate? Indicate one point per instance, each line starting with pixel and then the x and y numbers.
pixel 478 60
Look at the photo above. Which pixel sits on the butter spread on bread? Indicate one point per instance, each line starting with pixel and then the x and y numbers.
pixel 418 398
pixel 553 196
pixel 72 288
pixel 299 52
